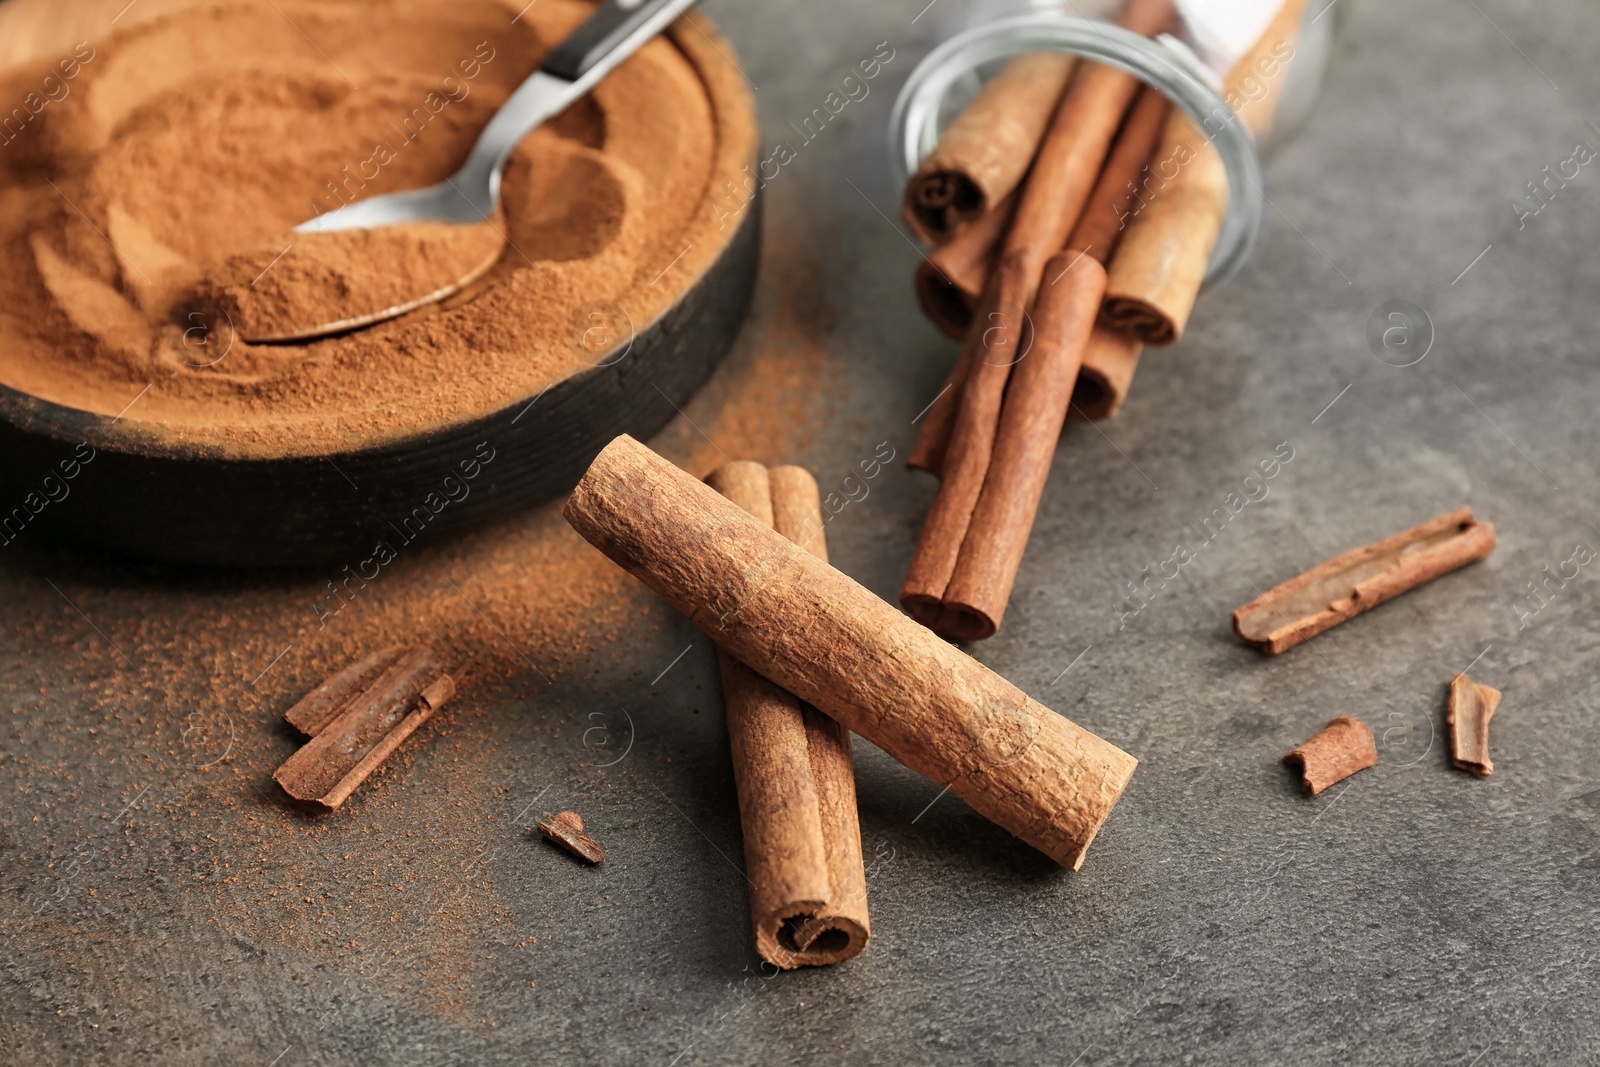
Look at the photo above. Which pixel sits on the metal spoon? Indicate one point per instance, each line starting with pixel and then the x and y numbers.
pixel 470 196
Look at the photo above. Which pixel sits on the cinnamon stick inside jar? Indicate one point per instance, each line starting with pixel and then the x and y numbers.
pixel 985 152
pixel 1156 274
pixel 826 639
pixel 1041 388
pixel 1069 161
pixel 994 345
pixel 791 764
pixel 949 281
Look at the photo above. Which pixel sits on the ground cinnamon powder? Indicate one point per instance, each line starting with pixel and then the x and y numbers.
pixel 209 133
pixel 401 892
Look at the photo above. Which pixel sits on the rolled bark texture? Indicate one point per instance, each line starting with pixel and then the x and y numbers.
pixel 791 764
pixel 817 633
pixel 1361 579
pixel 1156 274
pixel 985 152
pixel 1340 749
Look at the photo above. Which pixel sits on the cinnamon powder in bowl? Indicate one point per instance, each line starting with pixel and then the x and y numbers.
pixel 205 135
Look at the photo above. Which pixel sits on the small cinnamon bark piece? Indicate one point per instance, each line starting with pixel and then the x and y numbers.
pixel 345 751
pixel 792 767
pixel 1360 579
pixel 324 703
pixel 1342 748
pixel 1471 707
pixel 565 830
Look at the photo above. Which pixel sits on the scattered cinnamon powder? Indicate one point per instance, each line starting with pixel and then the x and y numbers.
pixel 112 210
pixel 213 663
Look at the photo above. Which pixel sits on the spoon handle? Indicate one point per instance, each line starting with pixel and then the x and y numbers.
pixel 616 30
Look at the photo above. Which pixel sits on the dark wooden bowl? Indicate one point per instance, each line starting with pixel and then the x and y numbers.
pixel 172 502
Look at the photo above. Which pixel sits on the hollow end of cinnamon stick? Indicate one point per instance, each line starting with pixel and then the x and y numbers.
pixel 1140 320
pixel 1109 362
pixel 955 621
pixel 1340 749
pixel 943 302
pixel 809 937
pixel 1361 579
pixel 1471 707
pixel 985 151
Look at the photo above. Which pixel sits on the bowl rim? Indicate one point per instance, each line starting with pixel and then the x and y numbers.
pixel 720 72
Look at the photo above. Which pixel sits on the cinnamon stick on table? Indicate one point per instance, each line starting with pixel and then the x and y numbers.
pixel 1157 272
pixel 791 764
pixel 826 639
pixel 1063 175
pixel 1340 749
pixel 1471 707
pixel 984 153
pixel 1361 579
pixel 347 746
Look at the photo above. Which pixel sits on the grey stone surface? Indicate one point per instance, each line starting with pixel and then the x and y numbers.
pixel 1415 915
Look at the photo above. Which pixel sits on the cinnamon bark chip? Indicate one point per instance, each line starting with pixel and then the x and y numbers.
pixel 1471 707
pixel 984 153
pixel 1360 579
pixel 817 633
pixel 1157 272
pixel 1342 748
pixel 791 763
pixel 564 829
pixel 324 703
pixel 371 724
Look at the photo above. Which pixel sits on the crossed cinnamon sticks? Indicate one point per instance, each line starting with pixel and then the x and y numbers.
pixel 780 610
pixel 1049 269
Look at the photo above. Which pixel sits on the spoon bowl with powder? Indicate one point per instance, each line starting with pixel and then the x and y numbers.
pixel 382 257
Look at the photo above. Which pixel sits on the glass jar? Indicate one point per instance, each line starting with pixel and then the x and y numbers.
pixel 950 76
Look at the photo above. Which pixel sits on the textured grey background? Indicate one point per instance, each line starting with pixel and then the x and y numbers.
pixel 1413 915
